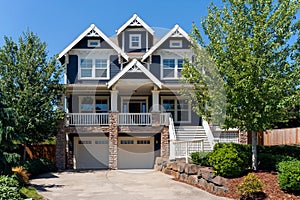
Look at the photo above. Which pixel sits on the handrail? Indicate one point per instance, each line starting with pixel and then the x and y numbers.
pixel 208 133
pixel 135 119
pixel 183 149
pixel 88 118
pixel 172 137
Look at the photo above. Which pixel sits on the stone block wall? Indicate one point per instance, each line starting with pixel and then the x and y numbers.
pixel 165 142
pixel 113 141
pixel 60 147
pixel 194 175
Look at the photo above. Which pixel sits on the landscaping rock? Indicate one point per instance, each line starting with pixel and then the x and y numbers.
pixel 220 181
pixel 166 171
pixel 207 173
pixel 202 182
pixel 183 177
pixel 191 169
pixel 175 166
pixel 193 179
pixel 181 167
pixel 170 165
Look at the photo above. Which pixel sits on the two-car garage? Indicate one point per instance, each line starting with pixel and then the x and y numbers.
pixel 133 152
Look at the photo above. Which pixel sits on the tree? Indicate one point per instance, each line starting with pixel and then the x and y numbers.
pixel 255 47
pixel 31 88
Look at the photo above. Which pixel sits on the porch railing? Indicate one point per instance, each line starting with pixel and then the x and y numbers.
pixel 183 149
pixel 135 119
pixel 88 118
pixel 164 119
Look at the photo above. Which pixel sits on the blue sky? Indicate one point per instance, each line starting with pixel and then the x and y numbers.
pixel 58 23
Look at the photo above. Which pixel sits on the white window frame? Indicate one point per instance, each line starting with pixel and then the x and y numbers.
pixel 130 41
pixel 175 41
pixel 176 99
pixel 176 76
pixel 92 41
pixel 94 102
pixel 94 58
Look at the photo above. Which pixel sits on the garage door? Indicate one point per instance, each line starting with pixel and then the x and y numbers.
pixel 91 153
pixel 135 153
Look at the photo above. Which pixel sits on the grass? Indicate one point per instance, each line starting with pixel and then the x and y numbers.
pixel 30 192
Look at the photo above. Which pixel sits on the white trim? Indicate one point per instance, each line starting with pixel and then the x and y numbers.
pixel 130 41
pixel 131 20
pixel 128 67
pixel 175 29
pixel 175 41
pixel 176 98
pixel 128 98
pixel 93 41
pixel 175 69
pixel 101 34
pixel 93 57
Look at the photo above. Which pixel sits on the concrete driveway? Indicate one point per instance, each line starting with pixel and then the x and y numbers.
pixel 116 185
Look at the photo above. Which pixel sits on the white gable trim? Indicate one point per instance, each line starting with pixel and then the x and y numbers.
pixel 173 32
pixel 136 63
pixel 139 20
pixel 85 33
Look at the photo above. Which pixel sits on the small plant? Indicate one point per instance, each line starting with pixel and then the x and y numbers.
pixel 200 158
pixel 21 175
pixel 30 192
pixel 250 186
pixel 227 161
pixel 289 175
pixel 9 188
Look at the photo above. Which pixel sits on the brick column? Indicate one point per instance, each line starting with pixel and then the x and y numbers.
pixel 243 137
pixel 164 149
pixel 60 146
pixel 113 140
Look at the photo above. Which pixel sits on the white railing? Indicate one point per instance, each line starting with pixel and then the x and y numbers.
pixel 172 137
pixel 164 119
pixel 88 118
pixel 183 149
pixel 135 119
pixel 209 134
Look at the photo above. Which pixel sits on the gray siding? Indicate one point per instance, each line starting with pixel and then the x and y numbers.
pixel 134 75
pixel 115 67
pixel 166 44
pixel 83 44
pixel 155 66
pixel 72 69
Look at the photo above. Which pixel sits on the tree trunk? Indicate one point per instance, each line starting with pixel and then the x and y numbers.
pixel 254 150
pixel 24 152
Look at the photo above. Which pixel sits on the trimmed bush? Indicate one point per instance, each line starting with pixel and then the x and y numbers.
pixel 200 158
pixel 250 186
pixel 289 175
pixel 227 161
pixel 9 188
pixel 38 166
pixel 269 162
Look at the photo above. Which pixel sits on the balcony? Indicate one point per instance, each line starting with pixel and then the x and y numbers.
pixel 124 119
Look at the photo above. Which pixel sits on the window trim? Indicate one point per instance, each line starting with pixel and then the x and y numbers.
pixel 176 99
pixel 175 41
pixel 176 68
pixel 130 41
pixel 80 98
pixel 90 45
pixel 93 77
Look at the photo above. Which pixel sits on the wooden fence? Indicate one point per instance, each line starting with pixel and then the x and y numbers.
pixel 41 151
pixel 288 136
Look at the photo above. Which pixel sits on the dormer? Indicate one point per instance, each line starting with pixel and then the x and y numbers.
pixel 135 37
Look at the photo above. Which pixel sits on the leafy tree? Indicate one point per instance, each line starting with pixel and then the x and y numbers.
pixel 255 46
pixel 31 88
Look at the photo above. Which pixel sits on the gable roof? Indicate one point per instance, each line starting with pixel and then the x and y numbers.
pixel 176 31
pixel 93 31
pixel 136 63
pixel 135 21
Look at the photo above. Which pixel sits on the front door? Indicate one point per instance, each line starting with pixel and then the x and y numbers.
pixel 135 106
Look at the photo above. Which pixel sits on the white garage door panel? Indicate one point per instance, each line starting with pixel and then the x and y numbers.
pixel 91 153
pixel 135 153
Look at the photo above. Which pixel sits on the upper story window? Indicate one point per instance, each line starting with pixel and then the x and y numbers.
pixel 171 68
pixel 94 68
pixel 135 41
pixel 93 43
pixel 175 43
pixel 90 104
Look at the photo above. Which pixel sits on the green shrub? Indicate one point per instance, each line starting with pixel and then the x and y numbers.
pixel 269 162
pixel 227 161
pixel 38 166
pixel 200 158
pixel 9 188
pixel 30 192
pixel 285 150
pixel 7 161
pixel 289 175
pixel 250 186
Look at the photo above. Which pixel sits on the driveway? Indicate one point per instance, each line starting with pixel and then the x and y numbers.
pixel 116 185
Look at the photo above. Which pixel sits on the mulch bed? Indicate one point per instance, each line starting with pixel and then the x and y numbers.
pixel 271 188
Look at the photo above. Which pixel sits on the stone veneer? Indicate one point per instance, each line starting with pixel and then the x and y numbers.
pixel 164 146
pixel 193 175
pixel 113 141
pixel 243 137
pixel 60 147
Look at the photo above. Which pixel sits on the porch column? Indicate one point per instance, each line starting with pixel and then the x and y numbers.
pixel 61 146
pixel 114 100
pixel 155 100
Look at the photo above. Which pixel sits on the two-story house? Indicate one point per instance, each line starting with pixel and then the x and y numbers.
pixel 123 99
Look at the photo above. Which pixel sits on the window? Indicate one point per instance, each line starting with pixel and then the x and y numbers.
pixel 127 142
pixel 175 43
pixel 171 68
pixel 179 109
pixel 101 141
pixel 135 41
pixel 91 104
pixel 93 43
pixel 84 142
pixel 143 141
pixel 94 68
